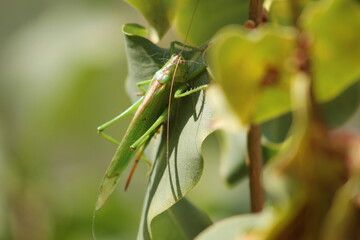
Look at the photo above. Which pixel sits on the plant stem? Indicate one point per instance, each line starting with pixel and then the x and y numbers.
pixel 255 168
pixel 254 156
pixel 255 11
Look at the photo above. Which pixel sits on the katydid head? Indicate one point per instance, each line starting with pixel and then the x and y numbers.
pixel 175 69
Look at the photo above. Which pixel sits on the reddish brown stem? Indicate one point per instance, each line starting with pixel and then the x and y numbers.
pixel 254 150
pixel 255 11
pixel 255 168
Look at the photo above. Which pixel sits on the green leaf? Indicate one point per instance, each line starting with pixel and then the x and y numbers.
pixel 182 221
pixel 241 60
pixel 234 227
pixel 159 13
pixel 233 156
pixel 135 29
pixel 338 110
pixel 333 25
pixel 276 130
pixel 344 105
pixel 190 124
pixel 280 11
pixel 170 182
pixel 209 17
pixel 144 57
pixel 253 70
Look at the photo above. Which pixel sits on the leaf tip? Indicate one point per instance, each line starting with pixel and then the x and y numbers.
pixel 134 29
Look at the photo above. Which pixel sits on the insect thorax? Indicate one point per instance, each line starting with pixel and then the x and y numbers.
pixel 175 69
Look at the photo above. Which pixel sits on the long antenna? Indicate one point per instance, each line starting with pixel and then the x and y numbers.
pixel 172 84
pixel 190 24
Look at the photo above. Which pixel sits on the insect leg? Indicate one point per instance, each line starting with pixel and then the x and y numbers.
pixel 137 159
pixel 150 131
pixel 172 46
pixel 143 141
pixel 181 92
pixel 131 109
pixel 143 83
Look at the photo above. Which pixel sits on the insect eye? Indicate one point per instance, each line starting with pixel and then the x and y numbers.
pixel 182 62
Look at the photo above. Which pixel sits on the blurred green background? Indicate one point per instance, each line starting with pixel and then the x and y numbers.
pixel 62 74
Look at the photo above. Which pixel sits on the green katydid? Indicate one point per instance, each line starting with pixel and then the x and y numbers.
pixel 151 110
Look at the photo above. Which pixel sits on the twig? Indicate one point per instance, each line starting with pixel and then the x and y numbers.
pixel 255 11
pixel 254 156
pixel 255 168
